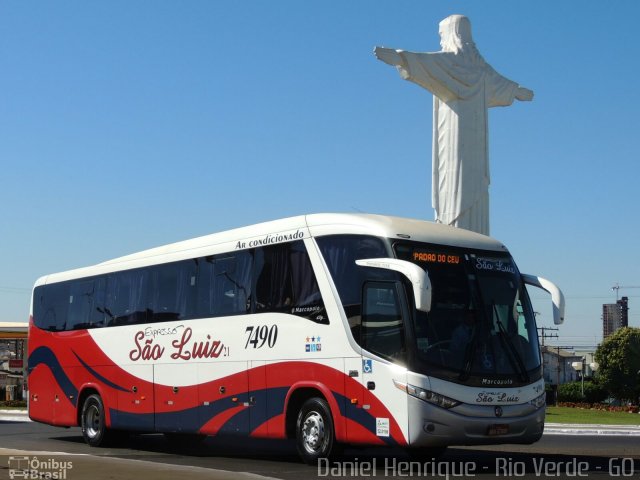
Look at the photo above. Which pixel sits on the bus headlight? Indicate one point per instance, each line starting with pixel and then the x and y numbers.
pixel 427 395
pixel 539 401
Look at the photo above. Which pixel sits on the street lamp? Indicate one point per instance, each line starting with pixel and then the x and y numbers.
pixel 579 367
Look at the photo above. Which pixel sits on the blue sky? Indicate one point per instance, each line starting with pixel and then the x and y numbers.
pixel 126 125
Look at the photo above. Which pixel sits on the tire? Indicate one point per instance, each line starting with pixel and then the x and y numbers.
pixel 94 429
pixel 315 435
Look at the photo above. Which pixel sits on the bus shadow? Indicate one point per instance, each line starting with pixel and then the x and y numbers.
pixel 385 461
pixel 231 447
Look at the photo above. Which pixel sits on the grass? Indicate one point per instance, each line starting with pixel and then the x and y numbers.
pixel 596 417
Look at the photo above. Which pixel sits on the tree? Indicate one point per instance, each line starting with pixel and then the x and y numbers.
pixel 618 360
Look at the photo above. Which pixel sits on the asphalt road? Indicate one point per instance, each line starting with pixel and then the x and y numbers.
pixel 61 453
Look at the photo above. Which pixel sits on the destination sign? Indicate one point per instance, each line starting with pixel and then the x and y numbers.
pixel 435 257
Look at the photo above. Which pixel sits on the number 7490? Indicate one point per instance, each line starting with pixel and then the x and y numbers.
pixel 258 337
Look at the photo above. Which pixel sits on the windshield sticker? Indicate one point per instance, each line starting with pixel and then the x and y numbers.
pixel 495 265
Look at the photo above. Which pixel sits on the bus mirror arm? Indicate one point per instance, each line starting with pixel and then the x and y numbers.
pixel 418 277
pixel 557 296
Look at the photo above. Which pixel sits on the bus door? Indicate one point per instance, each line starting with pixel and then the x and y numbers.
pixel 354 400
pixel 384 354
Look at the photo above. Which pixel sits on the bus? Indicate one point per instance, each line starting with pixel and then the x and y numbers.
pixel 329 329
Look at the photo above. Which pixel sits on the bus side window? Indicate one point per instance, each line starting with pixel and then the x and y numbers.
pixel 382 329
pixel 173 293
pixel 231 286
pixel 51 313
pixel 80 304
pixel 98 312
pixel 204 287
pixel 306 291
pixel 340 253
pixel 126 297
pixel 285 282
pixel 273 279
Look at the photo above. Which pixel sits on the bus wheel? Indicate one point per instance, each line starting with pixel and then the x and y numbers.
pixel 315 437
pixel 94 431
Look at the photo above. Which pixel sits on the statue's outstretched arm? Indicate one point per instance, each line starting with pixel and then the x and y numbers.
pixel 524 94
pixel 388 55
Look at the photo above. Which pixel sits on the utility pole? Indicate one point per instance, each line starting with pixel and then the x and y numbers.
pixel 543 335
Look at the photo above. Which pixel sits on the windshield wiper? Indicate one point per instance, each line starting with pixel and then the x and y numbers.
pixel 469 355
pixel 514 357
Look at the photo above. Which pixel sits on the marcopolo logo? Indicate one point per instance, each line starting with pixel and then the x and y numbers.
pixel 38 468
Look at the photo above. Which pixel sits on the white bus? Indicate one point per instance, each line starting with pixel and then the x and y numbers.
pixel 327 328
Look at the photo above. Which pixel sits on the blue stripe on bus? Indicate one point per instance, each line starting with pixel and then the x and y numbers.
pixel 45 356
pixel 140 422
pixel 193 419
pixel 360 416
pixel 98 376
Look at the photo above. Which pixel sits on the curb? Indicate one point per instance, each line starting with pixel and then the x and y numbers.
pixel 14 416
pixel 585 429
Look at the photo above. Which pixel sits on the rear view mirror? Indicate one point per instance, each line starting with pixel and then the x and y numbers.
pixel 557 296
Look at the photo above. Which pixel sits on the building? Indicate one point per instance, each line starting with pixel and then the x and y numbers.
pixel 557 365
pixel 13 338
pixel 615 316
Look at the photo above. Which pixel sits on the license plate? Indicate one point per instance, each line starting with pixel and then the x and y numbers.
pixel 499 429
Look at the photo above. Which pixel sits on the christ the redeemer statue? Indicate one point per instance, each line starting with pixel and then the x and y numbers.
pixel 464 87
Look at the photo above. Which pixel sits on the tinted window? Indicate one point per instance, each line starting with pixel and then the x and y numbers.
pixel 51 303
pixel 173 296
pixel 126 301
pixel 80 304
pixel 224 284
pixel 340 253
pixel 382 330
pixel 98 309
pixel 285 282
pixel 214 286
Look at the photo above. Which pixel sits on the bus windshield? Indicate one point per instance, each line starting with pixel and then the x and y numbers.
pixel 481 329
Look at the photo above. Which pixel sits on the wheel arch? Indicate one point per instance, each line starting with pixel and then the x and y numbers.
pixel 85 392
pixel 299 393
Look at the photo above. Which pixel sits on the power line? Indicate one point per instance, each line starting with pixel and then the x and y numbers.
pixel 6 289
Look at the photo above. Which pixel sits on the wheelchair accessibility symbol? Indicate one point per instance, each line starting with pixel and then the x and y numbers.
pixel 367 366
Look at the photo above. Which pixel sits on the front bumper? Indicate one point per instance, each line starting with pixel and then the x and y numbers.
pixel 430 425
